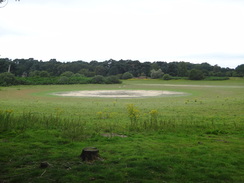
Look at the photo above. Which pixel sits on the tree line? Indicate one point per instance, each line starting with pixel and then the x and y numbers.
pixel 122 69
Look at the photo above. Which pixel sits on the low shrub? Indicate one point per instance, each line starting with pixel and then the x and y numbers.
pixel 112 80
pixel 167 77
pixel 127 75
pixel 8 79
pixel 216 78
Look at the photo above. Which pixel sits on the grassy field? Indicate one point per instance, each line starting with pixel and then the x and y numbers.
pixel 194 138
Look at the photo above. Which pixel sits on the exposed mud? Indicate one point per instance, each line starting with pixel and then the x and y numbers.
pixel 119 93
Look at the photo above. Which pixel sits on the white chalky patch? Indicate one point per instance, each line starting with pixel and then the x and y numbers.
pixel 118 93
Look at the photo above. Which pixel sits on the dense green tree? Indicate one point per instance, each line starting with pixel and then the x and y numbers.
pixel 87 72
pixel 44 74
pixel 111 67
pixel 4 64
pixel 196 75
pixel 155 66
pixel 146 68
pixel 113 71
pixel 34 73
pixel 163 66
pixel 240 70
pixel 134 67
pixel 182 69
pixel 100 70
pixel 172 69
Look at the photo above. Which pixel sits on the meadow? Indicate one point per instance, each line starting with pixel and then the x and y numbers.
pixel 192 138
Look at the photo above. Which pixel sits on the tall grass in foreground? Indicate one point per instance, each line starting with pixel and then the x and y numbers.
pixel 75 128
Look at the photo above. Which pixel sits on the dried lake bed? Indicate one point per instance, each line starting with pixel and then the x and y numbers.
pixel 120 93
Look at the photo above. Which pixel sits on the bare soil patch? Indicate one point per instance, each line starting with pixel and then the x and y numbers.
pixel 118 93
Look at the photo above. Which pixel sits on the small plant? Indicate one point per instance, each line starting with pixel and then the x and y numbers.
pixel 103 115
pixel 153 118
pixel 134 115
pixel 100 115
pixel 5 119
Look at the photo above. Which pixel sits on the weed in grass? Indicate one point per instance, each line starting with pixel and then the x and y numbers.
pixel 154 119
pixel 134 115
pixel 100 115
pixel 103 115
pixel 5 120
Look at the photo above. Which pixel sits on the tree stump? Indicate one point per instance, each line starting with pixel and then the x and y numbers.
pixel 90 154
pixel 44 164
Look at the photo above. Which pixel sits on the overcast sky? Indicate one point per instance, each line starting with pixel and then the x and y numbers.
pixel 195 31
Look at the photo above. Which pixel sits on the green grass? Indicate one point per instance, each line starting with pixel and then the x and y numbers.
pixel 193 138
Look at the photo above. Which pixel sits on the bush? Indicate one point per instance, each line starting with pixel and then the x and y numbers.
pixel 7 79
pixel 79 80
pixel 112 80
pixel 127 75
pixel 34 73
pixel 67 74
pixel 98 79
pixel 78 75
pixel 39 74
pixel 63 80
pixel 44 74
pixel 167 77
pixel 216 78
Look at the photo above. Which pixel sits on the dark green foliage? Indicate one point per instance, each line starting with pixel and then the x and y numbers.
pixel 79 80
pixel 34 73
pixel 53 80
pixel 182 69
pixel 67 74
pixel 105 80
pixel 39 74
pixel 63 80
pixel 172 69
pixel 216 78
pixel 32 67
pixel 196 75
pixel 98 79
pixel 7 79
pixel 44 74
pixel 100 70
pixel 167 77
pixel 4 64
pixel 37 80
pixel 87 72
pixel 240 70
pixel 112 80
pixel 127 75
